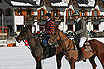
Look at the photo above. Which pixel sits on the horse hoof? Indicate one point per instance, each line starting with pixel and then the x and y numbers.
pixel 84 60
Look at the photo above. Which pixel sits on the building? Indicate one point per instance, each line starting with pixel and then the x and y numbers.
pixel 15 14
pixel 6 15
pixel 32 13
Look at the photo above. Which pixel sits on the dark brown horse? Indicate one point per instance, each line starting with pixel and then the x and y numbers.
pixel 71 53
pixel 36 48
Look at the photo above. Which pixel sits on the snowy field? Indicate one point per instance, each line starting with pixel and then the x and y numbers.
pixel 20 58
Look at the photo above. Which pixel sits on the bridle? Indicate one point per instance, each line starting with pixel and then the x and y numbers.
pixel 62 40
pixel 59 38
pixel 27 38
pixel 55 37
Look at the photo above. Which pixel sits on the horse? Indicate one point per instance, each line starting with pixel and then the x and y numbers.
pixel 37 50
pixel 71 54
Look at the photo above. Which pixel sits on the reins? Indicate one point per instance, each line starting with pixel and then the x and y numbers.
pixel 27 39
pixel 63 41
pixel 27 46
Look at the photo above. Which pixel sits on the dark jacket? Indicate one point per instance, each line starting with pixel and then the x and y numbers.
pixel 80 28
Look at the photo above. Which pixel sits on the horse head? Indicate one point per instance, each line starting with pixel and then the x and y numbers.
pixel 23 34
pixel 55 37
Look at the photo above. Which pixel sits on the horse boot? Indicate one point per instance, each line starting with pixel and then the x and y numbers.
pixel 46 51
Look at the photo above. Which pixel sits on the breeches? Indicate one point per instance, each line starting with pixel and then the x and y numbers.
pixel 45 40
pixel 82 41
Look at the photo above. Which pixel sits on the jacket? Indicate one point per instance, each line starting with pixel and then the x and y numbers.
pixel 80 28
pixel 50 27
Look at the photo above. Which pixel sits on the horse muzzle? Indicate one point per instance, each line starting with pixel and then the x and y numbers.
pixel 18 39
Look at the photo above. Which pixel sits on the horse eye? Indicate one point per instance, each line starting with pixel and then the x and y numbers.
pixel 55 33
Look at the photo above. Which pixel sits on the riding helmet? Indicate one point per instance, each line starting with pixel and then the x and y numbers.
pixel 76 13
pixel 48 14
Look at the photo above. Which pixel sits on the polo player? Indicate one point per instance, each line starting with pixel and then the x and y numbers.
pixel 81 32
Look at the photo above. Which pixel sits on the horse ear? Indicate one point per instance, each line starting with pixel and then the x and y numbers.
pixel 56 27
pixel 26 27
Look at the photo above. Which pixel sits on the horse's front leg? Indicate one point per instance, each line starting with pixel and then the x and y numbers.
pixel 72 63
pixel 58 59
pixel 38 64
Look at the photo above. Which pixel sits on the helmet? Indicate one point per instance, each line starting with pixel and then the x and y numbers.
pixel 48 14
pixel 76 13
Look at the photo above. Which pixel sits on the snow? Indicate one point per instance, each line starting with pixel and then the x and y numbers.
pixel 37 2
pixel 63 3
pixel 20 58
pixel 91 3
pixel 20 4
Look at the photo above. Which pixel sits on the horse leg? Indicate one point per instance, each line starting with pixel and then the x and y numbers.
pixel 58 59
pixel 72 63
pixel 101 59
pixel 38 64
pixel 91 59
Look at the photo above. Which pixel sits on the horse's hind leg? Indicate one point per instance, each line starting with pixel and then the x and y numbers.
pixel 101 59
pixel 58 59
pixel 91 59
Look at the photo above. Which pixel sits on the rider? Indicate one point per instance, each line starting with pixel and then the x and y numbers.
pixel 49 29
pixel 81 32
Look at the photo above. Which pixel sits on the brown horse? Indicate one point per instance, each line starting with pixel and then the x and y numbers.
pixel 71 54
pixel 37 50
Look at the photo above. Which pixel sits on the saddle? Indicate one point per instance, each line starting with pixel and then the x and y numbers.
pixel 87 48
pixel 86 45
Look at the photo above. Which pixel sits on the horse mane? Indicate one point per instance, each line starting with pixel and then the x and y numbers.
pixel 56 27
pixel 62 32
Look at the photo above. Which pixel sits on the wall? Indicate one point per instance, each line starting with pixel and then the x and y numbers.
pixel 4 5
pixel 19 20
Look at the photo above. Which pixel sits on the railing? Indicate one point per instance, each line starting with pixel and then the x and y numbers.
pixel 54 18
pixel 58 18
pixel 68 18
pixel 30 19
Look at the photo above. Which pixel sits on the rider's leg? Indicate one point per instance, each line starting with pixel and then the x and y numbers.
pixel 45 44
pixel 81 43
pixel 47 50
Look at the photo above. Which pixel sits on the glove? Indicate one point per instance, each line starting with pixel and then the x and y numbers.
pixel 44 34
pixel 75 35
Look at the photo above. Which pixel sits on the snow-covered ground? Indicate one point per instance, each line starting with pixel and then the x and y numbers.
pixel 20 58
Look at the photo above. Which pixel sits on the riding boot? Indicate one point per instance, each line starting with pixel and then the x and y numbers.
pixel 80 54
pixel 46 51
pixel 83 53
